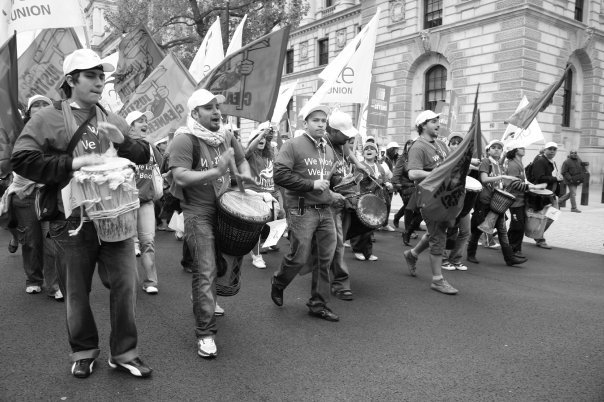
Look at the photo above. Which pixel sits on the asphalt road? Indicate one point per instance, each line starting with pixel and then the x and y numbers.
pixel 529 333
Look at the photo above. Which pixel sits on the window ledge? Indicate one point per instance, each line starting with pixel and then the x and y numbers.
pixel 463 5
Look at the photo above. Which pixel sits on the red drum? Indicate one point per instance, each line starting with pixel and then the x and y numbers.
pixel 501 201
pixel 371 213
pixel 538 199
pixel 473 188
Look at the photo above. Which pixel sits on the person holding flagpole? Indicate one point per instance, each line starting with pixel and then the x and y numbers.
pixel 425 155
pixel 41 154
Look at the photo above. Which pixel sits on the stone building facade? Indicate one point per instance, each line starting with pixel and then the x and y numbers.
pixel 428 48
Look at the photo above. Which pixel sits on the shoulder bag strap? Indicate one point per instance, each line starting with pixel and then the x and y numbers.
pixel 80 131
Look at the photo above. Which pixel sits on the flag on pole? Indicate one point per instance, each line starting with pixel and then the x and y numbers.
pixel 285 94
pixel 41 65
pixel 138 56
pixel 522 118
pixel 524 137
pixel 29 15
pixel 11 122
pixel 441 194
pixel 209 54
pixel 237 39
pixel 110 99
pixel 164 93
pixel 250 78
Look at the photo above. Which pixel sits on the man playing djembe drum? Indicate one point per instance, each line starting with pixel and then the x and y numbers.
pixel 196 184
pixel 40 154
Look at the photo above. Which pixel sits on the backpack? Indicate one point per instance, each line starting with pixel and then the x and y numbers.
pixel 528 171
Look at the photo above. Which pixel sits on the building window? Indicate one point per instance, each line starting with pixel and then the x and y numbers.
pixel 328 3
pixel 567 100
pixel 433 13
pixel 289 61
pixel 436 83
pixel 579 10
pixel 323 51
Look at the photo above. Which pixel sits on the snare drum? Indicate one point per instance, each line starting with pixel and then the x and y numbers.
pixel 538 199
pixel 501 201
pixel 473 188
pixel 241 217
pixel 111 198
pixel 370 213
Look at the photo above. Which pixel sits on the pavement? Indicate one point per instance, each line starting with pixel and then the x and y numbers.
pixel 526 333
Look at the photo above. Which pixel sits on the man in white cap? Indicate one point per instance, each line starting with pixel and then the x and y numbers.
pixel 426 154
pixel 200 156
pixel 303 168
pixel 42 154
pixel 546 171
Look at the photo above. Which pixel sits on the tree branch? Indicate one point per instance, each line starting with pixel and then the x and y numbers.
pixel 179 41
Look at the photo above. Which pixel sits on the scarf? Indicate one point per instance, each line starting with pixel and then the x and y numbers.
pixel 212 138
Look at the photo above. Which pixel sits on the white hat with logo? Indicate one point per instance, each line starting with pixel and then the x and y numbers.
pixel 84 59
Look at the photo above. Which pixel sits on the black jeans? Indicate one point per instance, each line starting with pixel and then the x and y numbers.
pixel 516 231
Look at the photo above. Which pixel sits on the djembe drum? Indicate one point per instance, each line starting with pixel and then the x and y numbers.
pixel 111 198
pixel 500 202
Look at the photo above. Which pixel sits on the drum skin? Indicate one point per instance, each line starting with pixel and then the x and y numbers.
pixel 538 199
pixel 372 211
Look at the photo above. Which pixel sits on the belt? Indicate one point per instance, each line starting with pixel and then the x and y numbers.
pixel 318 206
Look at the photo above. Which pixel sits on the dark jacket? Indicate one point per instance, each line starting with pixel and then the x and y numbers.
pixel 400 176
pixel 542 173
pixel 572 171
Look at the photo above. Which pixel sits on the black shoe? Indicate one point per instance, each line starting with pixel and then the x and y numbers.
pixel 13 246
pixel 473 259
pixel 136 367
pixel 343 294
pixel 325 314
pixel 396 222
pixel 407 238
pixel 516 260
pixel 276 294
pixel 519 254
pixel 82 368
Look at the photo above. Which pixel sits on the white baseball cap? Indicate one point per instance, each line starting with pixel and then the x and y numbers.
pixel 550 144
pixel 341 121
pixel 425 116
pixel 493 142
pixel 36 98
pixel 134 116
pixel 392 144
pixel 84 59
pixel 203 97
pixel 514 144
pixel 322 108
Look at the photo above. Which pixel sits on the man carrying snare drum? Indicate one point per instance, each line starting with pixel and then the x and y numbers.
pixel 40 154
pixel 197 181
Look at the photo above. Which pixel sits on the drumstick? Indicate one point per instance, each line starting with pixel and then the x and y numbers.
pixel 233 167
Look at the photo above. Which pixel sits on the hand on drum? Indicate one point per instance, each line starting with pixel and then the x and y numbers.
pixel 87 160
pixel 320 185
pixel 539 186
pixel 111 132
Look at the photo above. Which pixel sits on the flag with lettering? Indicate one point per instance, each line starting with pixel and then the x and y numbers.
pixel 11 122
pixel 250 78
pixel 209 54
pixel 30 15
pixel 138 56
pixel 164 93
pixel 522 118
pixel 441 194
pixel 41 65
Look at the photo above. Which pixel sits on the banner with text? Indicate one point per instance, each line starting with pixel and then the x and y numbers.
pixel 41 65
pixel 30 15
pixel 378 105
pixel 164 93
pixel 250 78
pixel 138 56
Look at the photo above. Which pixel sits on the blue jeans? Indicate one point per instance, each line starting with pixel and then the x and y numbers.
pixel 146 238
pixel 314 226
pixel 30 236
pixel 339 269
pixel 77 257
pixel 463 234
pixel 199 237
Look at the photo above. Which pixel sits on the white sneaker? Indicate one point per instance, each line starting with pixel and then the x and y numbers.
pixel 359 256
pixel 151 290
pixel 258 261
pixel 58 295
pixel 218 311
pixel 460 267
pixel 33 289
pixel 137 250
pixel 448 266
pixel 179 235
pixel 389 228
pixel 347 243
pixel 372 258
pixel 206 347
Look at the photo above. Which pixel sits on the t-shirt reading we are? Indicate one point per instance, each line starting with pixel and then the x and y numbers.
pixel 201 198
